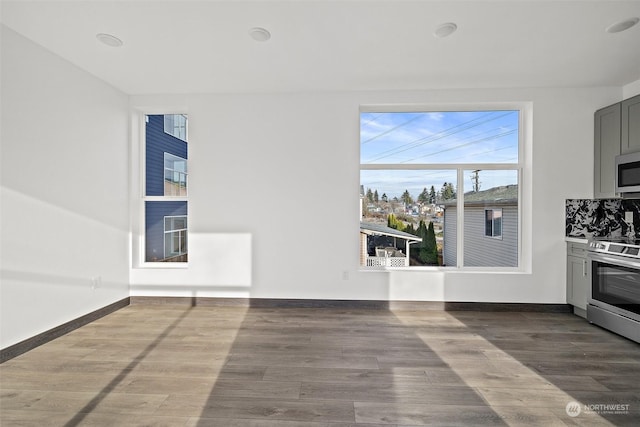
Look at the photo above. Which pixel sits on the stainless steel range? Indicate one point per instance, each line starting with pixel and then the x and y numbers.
pixel 614 275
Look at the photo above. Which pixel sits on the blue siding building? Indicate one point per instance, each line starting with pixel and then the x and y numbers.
pixel 158 143
pixel 166 177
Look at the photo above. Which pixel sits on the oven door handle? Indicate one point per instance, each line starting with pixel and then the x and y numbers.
pixel 611 260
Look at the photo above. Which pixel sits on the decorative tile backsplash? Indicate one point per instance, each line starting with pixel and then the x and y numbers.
pixel 601 218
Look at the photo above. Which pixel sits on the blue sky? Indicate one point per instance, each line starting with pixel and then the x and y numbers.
pixel 436 138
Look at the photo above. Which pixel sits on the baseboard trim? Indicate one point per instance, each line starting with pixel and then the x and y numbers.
pixel 351 304
pixel 44 337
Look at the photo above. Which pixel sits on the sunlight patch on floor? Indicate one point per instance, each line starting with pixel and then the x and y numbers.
pixel 511 389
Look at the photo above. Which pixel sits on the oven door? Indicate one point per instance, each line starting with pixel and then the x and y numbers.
pixel 615 284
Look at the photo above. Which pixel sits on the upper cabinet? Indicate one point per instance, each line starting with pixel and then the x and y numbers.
pixel 630 125
pixel 617 130
pixel 607 147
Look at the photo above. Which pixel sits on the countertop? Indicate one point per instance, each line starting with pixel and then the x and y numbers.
pixel 576 240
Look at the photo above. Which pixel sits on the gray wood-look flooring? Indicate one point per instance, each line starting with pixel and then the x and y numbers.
pixel 168 365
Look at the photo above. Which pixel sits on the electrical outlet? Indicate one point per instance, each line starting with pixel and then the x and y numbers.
pixel 96 281
pixel 345 275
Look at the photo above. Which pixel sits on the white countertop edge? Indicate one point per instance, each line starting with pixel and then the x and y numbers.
pixel 576 239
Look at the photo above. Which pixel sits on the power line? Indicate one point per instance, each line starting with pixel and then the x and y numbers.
pixel 392 129
pixel 440 135
pixel 375 116
pixel 489 138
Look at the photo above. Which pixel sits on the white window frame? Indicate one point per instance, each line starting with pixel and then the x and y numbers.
pixel 138 192
pixel 523 168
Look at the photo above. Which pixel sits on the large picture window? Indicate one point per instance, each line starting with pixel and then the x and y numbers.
pixel 435 184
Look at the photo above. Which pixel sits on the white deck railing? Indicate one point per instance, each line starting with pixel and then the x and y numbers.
pixel 376 261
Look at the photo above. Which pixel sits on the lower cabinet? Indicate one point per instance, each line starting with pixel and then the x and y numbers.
pixel 577 280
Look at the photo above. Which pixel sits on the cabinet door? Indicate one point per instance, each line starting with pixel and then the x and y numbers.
pixel 577 281
pixel 630 120
pixel 607 147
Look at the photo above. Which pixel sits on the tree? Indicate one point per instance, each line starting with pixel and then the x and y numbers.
pixel 395 223
pixel 431 247
pixel 369 195
pixel 375 196
pixel 409 229
pixel 406 198
pixel 427 249
pixel 424 196
pixel 432 195
pixel 384 197
pixel 448 192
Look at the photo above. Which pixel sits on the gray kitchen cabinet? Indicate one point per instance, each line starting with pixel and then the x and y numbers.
pixel 607 147
pixel 577 278
pixel 630 119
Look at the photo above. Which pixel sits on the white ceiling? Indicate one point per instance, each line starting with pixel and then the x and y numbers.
pixel 201 46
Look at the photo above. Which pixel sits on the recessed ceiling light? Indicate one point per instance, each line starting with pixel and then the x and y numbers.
pixel 444 30
pixel 259 34
pixel 109 40
pixel 622 25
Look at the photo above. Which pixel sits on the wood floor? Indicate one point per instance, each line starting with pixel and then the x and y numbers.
pixel 233 366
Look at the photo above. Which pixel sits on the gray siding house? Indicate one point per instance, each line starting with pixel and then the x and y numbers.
pixel 490 229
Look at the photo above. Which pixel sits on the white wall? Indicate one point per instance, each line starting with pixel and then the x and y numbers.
pixel 274 183
pixel 631 89
pixel 65 217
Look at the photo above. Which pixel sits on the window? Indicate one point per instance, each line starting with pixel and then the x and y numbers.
pixel 176 125
pixel 450 178
pixel 175 236
pixel 175 175
pixel 165 196
pixel 493 222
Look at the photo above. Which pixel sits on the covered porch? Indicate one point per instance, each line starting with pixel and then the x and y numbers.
pixel 388 255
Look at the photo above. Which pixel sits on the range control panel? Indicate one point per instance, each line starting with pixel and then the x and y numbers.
pixel 623 248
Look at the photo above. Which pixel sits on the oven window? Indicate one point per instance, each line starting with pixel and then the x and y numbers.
pixel 616 285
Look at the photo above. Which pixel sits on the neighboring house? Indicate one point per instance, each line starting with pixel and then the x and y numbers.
pixel 382 246
pixel 490 228
pixel 166 179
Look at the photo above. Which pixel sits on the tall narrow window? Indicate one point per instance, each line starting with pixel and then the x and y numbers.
pixel 448 178
pixel 165 199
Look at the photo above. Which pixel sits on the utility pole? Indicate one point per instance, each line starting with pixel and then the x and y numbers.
pixel 475 178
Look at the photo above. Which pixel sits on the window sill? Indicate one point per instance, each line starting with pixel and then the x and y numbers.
pixel 454 270
pixel 164 265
